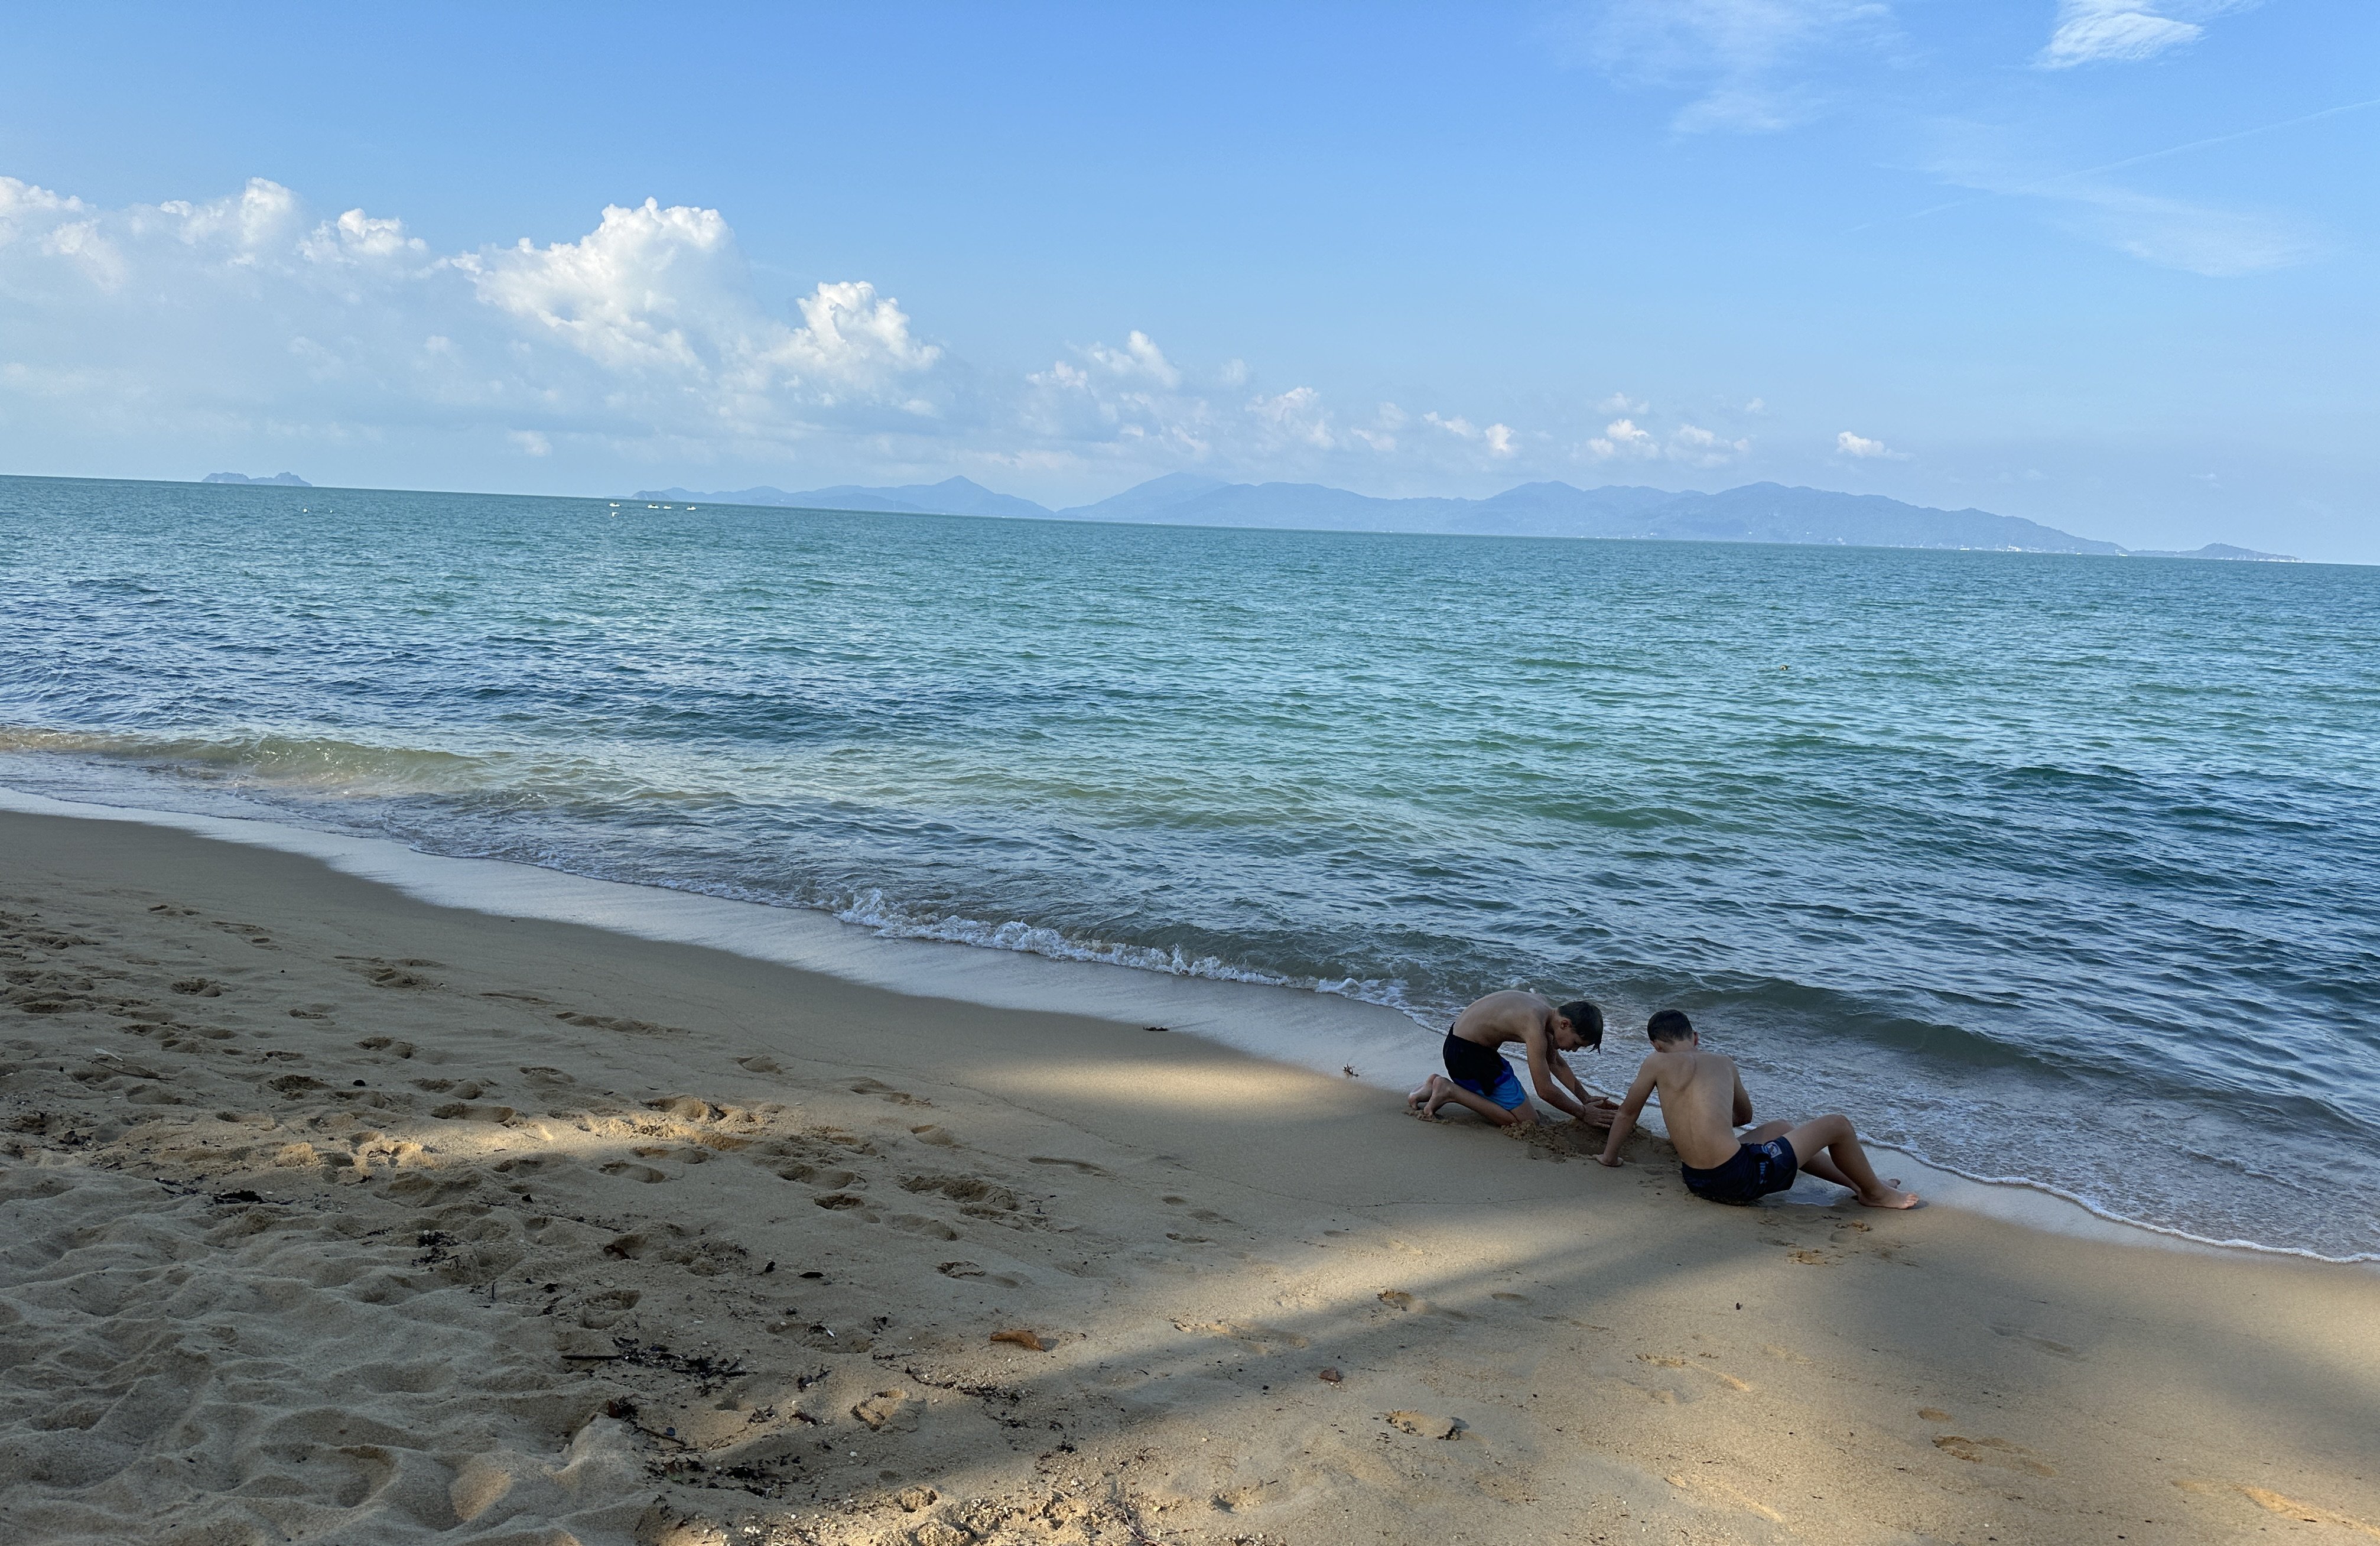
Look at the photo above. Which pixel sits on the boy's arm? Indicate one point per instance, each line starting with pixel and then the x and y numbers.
pixel 1624 1122
pixel 1543 1060
pixel 1595 1110
pixel 1742 1101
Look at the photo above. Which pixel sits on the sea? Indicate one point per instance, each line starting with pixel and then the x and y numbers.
pixel 2060 871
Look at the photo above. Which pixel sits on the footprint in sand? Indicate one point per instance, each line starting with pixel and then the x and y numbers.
pixel 458 1111
pixel 1083 1166
pixel 1262 1337
pixel 814 1176
pixel 757 1064
pixel 392 974
pixel 1426 1425
pixel 615 1022
pixel 2291 1508
pixel 1397 1298
pixel 686 1107
pixel 883 1092
pixel 1994 1452
pixel 634 1172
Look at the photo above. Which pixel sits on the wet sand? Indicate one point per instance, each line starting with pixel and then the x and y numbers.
pixel 330 1215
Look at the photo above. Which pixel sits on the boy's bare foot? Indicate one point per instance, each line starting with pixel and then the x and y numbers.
pixel 1886 1197
pixel 1428 1097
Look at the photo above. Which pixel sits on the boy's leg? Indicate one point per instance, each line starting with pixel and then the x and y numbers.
pixel 1815 1163
pixel 1449 1091
pixel 1829 1143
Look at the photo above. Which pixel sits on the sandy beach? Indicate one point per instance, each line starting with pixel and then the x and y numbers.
pixel 330 1215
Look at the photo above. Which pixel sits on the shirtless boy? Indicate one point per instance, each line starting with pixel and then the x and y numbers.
pixel 1479 1079
pixel 1703 1102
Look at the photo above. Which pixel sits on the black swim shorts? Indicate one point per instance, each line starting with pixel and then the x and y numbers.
pixel 1755 1171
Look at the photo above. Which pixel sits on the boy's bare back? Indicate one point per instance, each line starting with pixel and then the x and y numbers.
pixel 1702 1101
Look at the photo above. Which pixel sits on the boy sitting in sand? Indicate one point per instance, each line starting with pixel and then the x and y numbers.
pixel 1704 1104
pixel 1479 1079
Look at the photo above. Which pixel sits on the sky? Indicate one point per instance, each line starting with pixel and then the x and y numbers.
pixel 2107 264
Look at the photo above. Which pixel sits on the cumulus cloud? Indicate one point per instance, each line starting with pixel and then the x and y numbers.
pixel 251 320
pixel 1293 417
pixel 1691 442
pixel 1753 66
pixel 1620 402
pixel 1864 449
pixel 248 306
pixel 1494 439
pixel 1139 359
pixel 1623 439
pixel 1109 400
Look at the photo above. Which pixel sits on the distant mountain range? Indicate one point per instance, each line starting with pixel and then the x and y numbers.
pixel 287 480
pixel 1754 512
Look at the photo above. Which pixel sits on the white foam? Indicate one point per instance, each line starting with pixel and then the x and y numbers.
pixel 1330 1032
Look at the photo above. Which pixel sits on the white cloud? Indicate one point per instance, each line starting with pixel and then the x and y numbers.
pixel 2173 233
pixel 249 319
pixel 2092 32
pixel 1864 449
pixel 246 309
pixel 1623 438
pixel 1139 359
pixel 1691 443
pixel 1495 439
pixel 1293 417
pixel 1381 433
pixel 1753 64
pixel 1620 402
pixel 1118 401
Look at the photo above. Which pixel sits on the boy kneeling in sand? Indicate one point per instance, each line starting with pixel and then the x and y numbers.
pixel 1703 1102
pixel 1479 1079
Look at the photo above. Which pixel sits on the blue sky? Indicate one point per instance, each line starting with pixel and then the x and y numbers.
pixel 2105 263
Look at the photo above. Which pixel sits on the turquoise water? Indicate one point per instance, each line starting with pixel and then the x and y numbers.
pixel 2048 869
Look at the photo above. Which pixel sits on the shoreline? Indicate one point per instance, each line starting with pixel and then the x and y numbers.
pixel 377 1218
pixel 1312 1030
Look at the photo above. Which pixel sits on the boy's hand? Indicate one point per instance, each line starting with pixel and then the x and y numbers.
pixel 1614 1161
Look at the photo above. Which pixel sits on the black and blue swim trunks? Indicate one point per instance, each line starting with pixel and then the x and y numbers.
pixel 1482 1071
pixel 1755 1171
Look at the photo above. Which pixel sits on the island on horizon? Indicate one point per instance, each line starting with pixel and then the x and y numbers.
pixel 1753 513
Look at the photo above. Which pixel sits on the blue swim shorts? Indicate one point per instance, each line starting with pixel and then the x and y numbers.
pixel 1506 1092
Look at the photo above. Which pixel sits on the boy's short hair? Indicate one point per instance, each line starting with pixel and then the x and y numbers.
pixel 1669 1025
pixel 1585 1019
